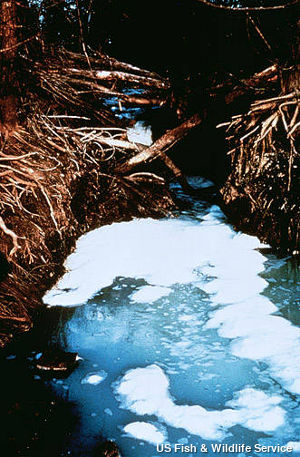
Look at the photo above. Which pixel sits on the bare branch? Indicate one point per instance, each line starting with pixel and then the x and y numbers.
pixel 250 8
pixel 18 44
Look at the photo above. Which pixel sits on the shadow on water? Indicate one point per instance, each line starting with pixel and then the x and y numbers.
pixel 284 288
pixel 40 419
pixel 37 421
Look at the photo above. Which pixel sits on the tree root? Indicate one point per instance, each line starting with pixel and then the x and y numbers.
pixel 13 236
pixel 265 176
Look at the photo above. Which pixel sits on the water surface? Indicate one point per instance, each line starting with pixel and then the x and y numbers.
pixel 188 333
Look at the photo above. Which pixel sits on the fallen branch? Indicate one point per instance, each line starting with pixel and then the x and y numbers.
pixel 159 149
pixel 130 78
pixel 161 146
pixel 85 86
pixel 248 8
pixel 104 61
pixel 235 87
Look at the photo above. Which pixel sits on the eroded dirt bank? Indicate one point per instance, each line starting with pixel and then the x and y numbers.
pixel 57 195
pixel 59 177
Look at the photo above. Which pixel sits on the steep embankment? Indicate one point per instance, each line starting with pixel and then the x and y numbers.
pixel 58 175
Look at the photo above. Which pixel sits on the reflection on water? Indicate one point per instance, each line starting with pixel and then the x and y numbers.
pixel 188 334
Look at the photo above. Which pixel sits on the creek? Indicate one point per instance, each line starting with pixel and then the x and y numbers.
pixel 188 333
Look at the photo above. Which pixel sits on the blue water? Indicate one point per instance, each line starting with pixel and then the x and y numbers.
pixel 141 320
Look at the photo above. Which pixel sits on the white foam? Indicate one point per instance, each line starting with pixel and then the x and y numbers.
pixel 265 415
pixel 162 252
pixel 94 378
pixel 149 294
pixel 140 133
pixel 146 431
pixel 108 411
pixel 145 391
pixel 259 335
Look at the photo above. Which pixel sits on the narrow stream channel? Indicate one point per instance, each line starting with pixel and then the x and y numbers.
pixel 188 333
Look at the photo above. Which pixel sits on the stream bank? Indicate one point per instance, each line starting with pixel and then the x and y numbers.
pixel 59 174
pixel 80 201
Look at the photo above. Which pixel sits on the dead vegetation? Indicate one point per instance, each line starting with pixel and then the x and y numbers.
pixel 262 190
pixel 83 83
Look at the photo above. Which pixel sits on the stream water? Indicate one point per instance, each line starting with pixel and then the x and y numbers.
pixel 188 333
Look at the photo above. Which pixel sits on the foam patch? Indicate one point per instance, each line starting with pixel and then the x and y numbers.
pixel 94 378
pixel 146 431
pixel 149 294
pixel 163 253
pixel 250 408
pixel 295 445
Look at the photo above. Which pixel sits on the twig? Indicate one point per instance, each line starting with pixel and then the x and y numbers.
pixel 253 8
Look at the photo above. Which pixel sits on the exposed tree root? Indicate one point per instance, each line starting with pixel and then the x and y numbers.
pixel 58 174
pixel 56 183
pixel 83 85
pixel 13 237
pixel 262 191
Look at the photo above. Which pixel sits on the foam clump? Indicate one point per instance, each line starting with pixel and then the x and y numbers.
pixel 261 336
pixel 140 133
pixel 146 431
pixel 94 378
pixel 295 445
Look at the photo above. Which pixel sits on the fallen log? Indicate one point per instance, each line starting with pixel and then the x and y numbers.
pixel 94 88
pixel 159 148
pixel 104 61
